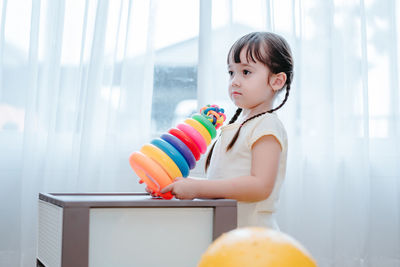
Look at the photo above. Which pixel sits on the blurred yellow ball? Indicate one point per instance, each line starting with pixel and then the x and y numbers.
pixel 256 247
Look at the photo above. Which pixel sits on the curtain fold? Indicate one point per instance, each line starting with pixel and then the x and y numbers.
pixel 76 94
pixel 341 194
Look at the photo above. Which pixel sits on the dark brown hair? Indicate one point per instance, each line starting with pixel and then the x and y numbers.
pixel 271 50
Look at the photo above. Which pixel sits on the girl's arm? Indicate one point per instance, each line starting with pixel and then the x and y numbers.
pixel 255 187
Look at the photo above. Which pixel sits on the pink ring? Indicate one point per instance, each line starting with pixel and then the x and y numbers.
pixel 194 135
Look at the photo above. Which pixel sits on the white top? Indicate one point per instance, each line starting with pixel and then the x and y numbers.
pixel 237 162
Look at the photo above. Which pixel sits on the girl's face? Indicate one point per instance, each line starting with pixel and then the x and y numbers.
pixel 249 84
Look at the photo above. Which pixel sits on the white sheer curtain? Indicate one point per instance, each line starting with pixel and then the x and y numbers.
pixel 75 101
pixel 341 198
pixel 76 86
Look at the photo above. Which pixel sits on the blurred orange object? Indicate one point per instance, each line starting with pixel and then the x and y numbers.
pixel 256 247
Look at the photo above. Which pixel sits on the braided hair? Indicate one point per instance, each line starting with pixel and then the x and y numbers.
pixel 271 50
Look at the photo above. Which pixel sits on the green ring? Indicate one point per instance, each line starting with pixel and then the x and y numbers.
pixel 206 123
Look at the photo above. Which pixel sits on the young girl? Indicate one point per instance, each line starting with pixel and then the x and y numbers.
pixel 248 160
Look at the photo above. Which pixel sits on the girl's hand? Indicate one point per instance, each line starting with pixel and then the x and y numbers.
pixel 182 188
pixel 148 190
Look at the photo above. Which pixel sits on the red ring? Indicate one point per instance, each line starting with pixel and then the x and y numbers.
pixel 187 140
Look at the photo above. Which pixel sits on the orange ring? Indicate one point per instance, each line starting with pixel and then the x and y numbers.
pixel 200 128
pixel 149 172
pixel 162 158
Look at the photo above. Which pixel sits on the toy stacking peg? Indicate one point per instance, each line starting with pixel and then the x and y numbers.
pixel 175 153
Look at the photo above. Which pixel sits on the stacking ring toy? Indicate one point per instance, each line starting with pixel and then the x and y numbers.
pixel 161 158
pixel 187 140
pixel 182 148
pixel 214 114
pixel 150 173
pixel 200 128
pixel 195 135
pixel 206 123
pixel 173 155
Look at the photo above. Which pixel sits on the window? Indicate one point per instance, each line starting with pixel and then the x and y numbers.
pixel 175 67
pixel 173 96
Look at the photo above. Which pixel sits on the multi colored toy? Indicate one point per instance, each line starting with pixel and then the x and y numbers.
pixel 175 153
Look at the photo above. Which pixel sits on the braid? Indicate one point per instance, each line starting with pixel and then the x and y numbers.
pixel 284 100
pixel 207 164
pixel 233 119
pixel 233 141
pixel 235 137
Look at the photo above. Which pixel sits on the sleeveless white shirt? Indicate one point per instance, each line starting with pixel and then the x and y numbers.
pixel 237 162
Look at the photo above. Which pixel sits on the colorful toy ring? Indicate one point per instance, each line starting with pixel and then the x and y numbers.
pixel 187 141
pixel 200 128
pixel 206 123
pixel 162 158
pixel 174 154
pixel 214 114
pixel 218 116
pixel 181 147
pixel 148 171
pixel 195 135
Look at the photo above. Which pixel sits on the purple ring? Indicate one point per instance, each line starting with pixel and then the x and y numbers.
pixel 182 148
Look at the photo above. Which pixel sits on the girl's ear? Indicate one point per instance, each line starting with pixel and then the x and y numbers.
pixel 277 81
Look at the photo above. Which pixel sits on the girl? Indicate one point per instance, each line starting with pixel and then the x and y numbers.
pixel 248 161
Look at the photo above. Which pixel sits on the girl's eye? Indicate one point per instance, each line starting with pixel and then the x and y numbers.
pixel 230 73
pixel 246 72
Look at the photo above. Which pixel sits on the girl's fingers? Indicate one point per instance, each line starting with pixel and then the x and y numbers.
pixel 167 188
pixel 148 190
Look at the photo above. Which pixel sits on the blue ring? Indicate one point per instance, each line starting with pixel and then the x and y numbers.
pixel 173 154
pixel 182 148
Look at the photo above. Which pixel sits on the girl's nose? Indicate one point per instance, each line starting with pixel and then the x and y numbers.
pixel 235 81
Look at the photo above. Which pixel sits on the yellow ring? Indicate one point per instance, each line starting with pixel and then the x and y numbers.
pixel 200 128
pixel 162 158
